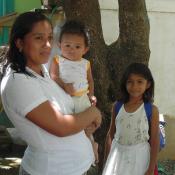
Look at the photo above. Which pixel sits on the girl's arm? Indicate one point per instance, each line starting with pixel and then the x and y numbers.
pixel 110 134
pixel 154 140
pixel 48 117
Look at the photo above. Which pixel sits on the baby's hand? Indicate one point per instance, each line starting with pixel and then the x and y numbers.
pixel 93 100
pixel 68 87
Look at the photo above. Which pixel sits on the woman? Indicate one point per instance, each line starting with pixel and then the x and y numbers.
pixel 39 109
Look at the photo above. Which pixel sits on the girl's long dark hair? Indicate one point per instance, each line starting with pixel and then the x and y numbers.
pixel 22 26
pixel 144 71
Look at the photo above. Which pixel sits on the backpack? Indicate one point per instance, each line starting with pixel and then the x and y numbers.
pixel 148 110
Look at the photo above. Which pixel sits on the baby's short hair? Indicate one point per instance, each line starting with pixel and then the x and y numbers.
pixel 75 27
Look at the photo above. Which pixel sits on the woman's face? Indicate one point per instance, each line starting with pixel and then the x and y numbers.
pixel 36 45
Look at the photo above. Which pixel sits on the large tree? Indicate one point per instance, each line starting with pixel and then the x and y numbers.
pixel 109 61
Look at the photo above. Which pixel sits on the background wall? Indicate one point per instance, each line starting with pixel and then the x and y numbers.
pixel 162 45
pixel 9 9
pixel 21 6
pixel 162 42
pixel 162 64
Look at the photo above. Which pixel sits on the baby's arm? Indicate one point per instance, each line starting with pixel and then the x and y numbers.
pixel 154 140
pixel 54 74
pixel 92 98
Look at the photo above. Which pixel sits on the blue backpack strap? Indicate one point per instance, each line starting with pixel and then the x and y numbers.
pixel 117 107
pixel 148 110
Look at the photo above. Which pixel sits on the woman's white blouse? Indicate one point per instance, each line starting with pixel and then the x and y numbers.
pixel 46 154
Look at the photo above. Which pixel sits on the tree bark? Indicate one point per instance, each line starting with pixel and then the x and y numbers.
pixel 109 62
pixel 89 13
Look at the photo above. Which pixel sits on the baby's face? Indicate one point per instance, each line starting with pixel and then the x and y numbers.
pixel 73 47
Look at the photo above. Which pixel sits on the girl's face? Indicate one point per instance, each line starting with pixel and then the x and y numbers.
pixel 73 47
pixel 36 45
pixel 136 85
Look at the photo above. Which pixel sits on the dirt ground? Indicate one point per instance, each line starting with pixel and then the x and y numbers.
pixel 10 159
pixel 10 162
pixel 167 167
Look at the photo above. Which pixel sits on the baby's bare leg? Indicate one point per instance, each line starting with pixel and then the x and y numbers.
pixel 95 148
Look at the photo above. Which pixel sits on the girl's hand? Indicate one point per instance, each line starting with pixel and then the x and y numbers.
pixel 93 100
pixel 68 87
pixel 148 172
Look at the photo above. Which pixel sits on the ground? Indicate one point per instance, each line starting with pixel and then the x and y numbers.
pixel 11 154
pixel 10 158
pixel 167 167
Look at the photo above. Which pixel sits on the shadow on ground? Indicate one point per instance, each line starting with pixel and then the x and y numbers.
pixel 10 159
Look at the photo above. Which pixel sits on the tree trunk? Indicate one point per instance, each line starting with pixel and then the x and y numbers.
pixel 109 62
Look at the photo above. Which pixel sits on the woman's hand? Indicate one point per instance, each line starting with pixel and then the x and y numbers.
pixel 98 119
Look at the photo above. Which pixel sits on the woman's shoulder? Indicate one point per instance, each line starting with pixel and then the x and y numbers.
pixel 19 77
pixel 15 81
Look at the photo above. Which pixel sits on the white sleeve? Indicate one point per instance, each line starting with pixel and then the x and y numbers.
pixel 23 94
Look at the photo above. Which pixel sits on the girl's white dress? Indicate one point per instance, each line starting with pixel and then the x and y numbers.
pixel 130 150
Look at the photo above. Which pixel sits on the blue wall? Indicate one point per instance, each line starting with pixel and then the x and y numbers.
pixel 6 7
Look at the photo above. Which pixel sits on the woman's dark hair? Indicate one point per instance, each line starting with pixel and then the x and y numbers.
pixel 76 28
pixel 22 26
pixel 142 70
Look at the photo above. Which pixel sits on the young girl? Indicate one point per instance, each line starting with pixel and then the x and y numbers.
pixel 72 72
pixel 132 149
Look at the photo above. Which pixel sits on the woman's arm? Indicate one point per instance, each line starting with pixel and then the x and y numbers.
pixel 110 134
pixel 47 116
pixel 154 140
